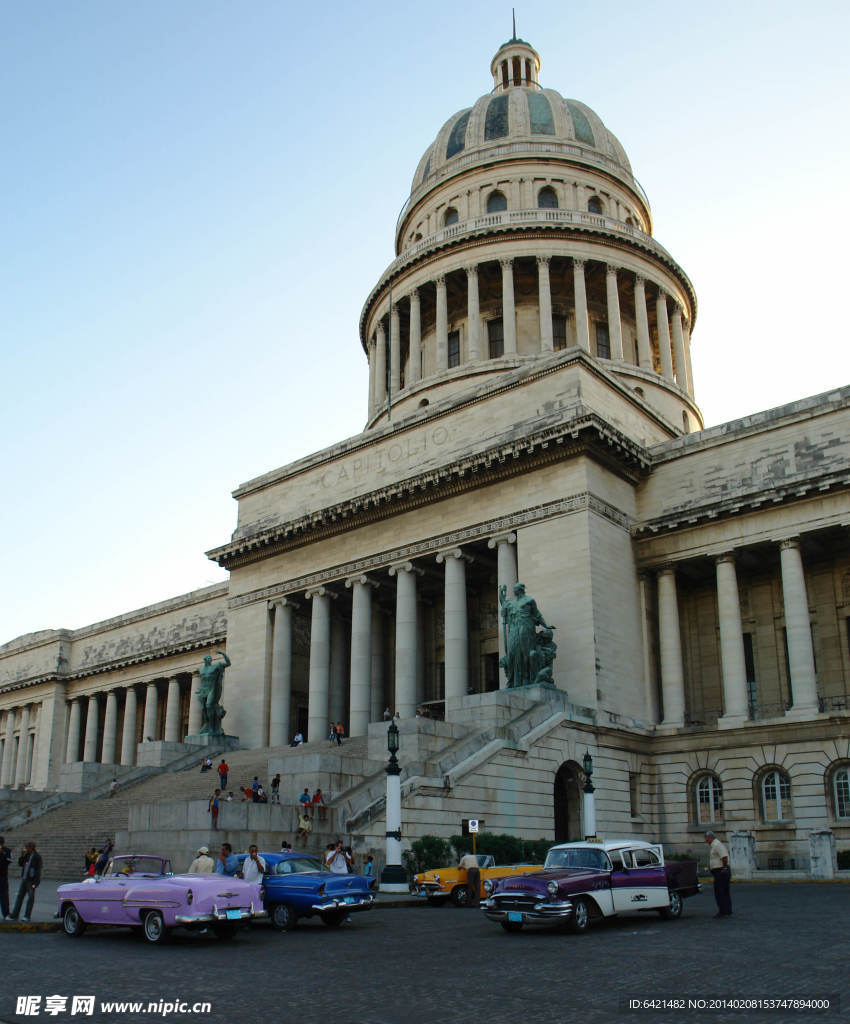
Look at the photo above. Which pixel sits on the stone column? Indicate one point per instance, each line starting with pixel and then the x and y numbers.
pixel 643 347
pixel 649 689
pixel 128 736
pixel 473 314
pixel 405 638
pixel 72 750
pixel 338 678
pixel 320 664
pixel 582 326
pixel 172 712
pixel 360 704
pixel 663 325
pixel 670 643
pixel 506 576
pixel 23 740
pixel 395 351
pixel 8 772
pixel 686 337
pixel 456 624
pixel 370 348
pixel 681 367
pixel 798 630
pixel 508 308
pixel 732 659
pixel 280 697
pixel 615 327
pixel 380 368
pixel 110 728
pixel 195 710
pixel 377 661
pixel 544 302
pixel 414 347
pixel 92 720
pixel 442 325
pixel 151 708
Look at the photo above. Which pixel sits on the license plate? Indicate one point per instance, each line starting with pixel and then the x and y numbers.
pixel 514 915
pixel 234 915
pixel 350 899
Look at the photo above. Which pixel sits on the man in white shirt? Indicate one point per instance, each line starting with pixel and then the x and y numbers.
pixel 469 863
pixel 718 863
pixel 338 860
pixel 203 864
pixel 253 867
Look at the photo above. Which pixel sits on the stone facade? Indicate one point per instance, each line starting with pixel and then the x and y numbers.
pixel 531 416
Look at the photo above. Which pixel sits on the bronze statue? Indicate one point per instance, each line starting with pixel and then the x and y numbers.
pixel 528 654
pixel 212 682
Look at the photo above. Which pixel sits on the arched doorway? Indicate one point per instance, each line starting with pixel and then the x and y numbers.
pixel 567 803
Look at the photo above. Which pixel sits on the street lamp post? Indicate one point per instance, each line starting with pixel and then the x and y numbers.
pixel 589 798
pixel 393 877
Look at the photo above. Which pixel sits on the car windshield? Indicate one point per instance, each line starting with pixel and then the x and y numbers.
pixel 299 865
pixel 149 867
pixel 578 857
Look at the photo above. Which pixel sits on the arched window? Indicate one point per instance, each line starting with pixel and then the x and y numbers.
pixel 708 799
pixel 775 795
pixel 547 198
pixel 841 791
pixel 496 202
pixel 594 205
pixel 450 217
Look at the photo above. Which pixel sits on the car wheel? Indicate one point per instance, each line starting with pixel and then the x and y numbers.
pixel 333 919
pixel 283 917
pixel 436 901
pixel 154 928
pixel 72 923
pixel 511 926
pixel 459 896
pixel 674 911
pixel 224 931
pixel 580 917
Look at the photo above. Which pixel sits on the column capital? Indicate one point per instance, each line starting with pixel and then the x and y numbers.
pixel 413 295
pixel 379 331
pixel 506 263
pixel 725 556
pixel 440 280
pixel 361 578
pixel 578 263
pixel 665 569
pixel 283 602
pixel 611 269
pixel 678 311
pixel 501 538
pixel 320 591
pixel 472 271
pixel 405 567
pixel 640 281
pixel 662 295
pixel 444 556
pixel 788 543
pixel 544 261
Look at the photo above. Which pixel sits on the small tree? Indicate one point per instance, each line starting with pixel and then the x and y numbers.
pixel 427 853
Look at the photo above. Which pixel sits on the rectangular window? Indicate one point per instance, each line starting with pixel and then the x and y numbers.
pixel 842 793
pixel 559 331
pixel 634 794
pixel 454 348
pixel 750 666
pixel 496 338
pixel 603 342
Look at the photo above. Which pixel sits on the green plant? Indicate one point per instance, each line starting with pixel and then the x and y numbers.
pixel 427 853
pixel 504 848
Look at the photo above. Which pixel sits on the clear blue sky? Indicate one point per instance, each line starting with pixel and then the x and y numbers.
pixel 197 198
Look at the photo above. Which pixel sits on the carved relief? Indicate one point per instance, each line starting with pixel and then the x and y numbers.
pixel 188 630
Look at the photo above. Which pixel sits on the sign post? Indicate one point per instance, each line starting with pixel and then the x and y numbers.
pixel 473 831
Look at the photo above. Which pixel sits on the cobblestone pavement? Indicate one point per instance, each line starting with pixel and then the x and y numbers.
pixel 447 965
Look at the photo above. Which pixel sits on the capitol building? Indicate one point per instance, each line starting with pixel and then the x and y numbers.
pixel 531 416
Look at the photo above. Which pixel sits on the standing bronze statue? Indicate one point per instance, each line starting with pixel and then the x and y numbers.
pixel 528 654
pixel 212 682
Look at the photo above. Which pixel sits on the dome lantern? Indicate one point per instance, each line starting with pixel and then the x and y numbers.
pixel 516 64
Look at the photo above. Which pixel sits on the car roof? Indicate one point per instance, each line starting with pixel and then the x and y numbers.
pixel 606 844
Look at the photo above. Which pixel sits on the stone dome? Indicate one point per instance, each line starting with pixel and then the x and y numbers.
pixel 519 114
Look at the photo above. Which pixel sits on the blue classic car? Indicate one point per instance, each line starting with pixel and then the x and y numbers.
pixel 297 885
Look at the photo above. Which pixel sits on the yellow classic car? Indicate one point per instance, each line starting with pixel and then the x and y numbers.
pixel 443 884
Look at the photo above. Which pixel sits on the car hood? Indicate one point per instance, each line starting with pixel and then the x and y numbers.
pixel 307 880
pixel 538 880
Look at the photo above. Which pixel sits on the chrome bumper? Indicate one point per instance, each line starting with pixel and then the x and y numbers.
pixel 361 903
pixel 424 891
pixel 220 915
pixel 541 911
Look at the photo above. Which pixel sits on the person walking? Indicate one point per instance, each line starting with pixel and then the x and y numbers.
pixel 203 864
pixel 718 863
pixel 369 869
pixel 215 799
pixel 332 733
pixel 30 861
pixel 469 862
pixel 223 769
pixel 340 733
pixel 5 861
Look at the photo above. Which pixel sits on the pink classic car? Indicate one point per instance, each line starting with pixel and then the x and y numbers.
pixel 140 892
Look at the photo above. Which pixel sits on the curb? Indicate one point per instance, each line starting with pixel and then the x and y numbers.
pixel 30 926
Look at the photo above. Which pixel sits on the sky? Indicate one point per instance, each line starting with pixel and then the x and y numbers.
pixel 196 199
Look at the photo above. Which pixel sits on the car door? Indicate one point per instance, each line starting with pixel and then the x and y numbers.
pixel 639 882
pixel 107 900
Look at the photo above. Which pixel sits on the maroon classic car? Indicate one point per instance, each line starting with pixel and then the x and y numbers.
pixel 583 881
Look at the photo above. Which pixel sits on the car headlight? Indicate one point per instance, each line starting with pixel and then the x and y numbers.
pixel 552 888
pixel 488 885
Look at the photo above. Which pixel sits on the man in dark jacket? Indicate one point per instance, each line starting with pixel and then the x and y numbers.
pixel 30 862
pixel 5 859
